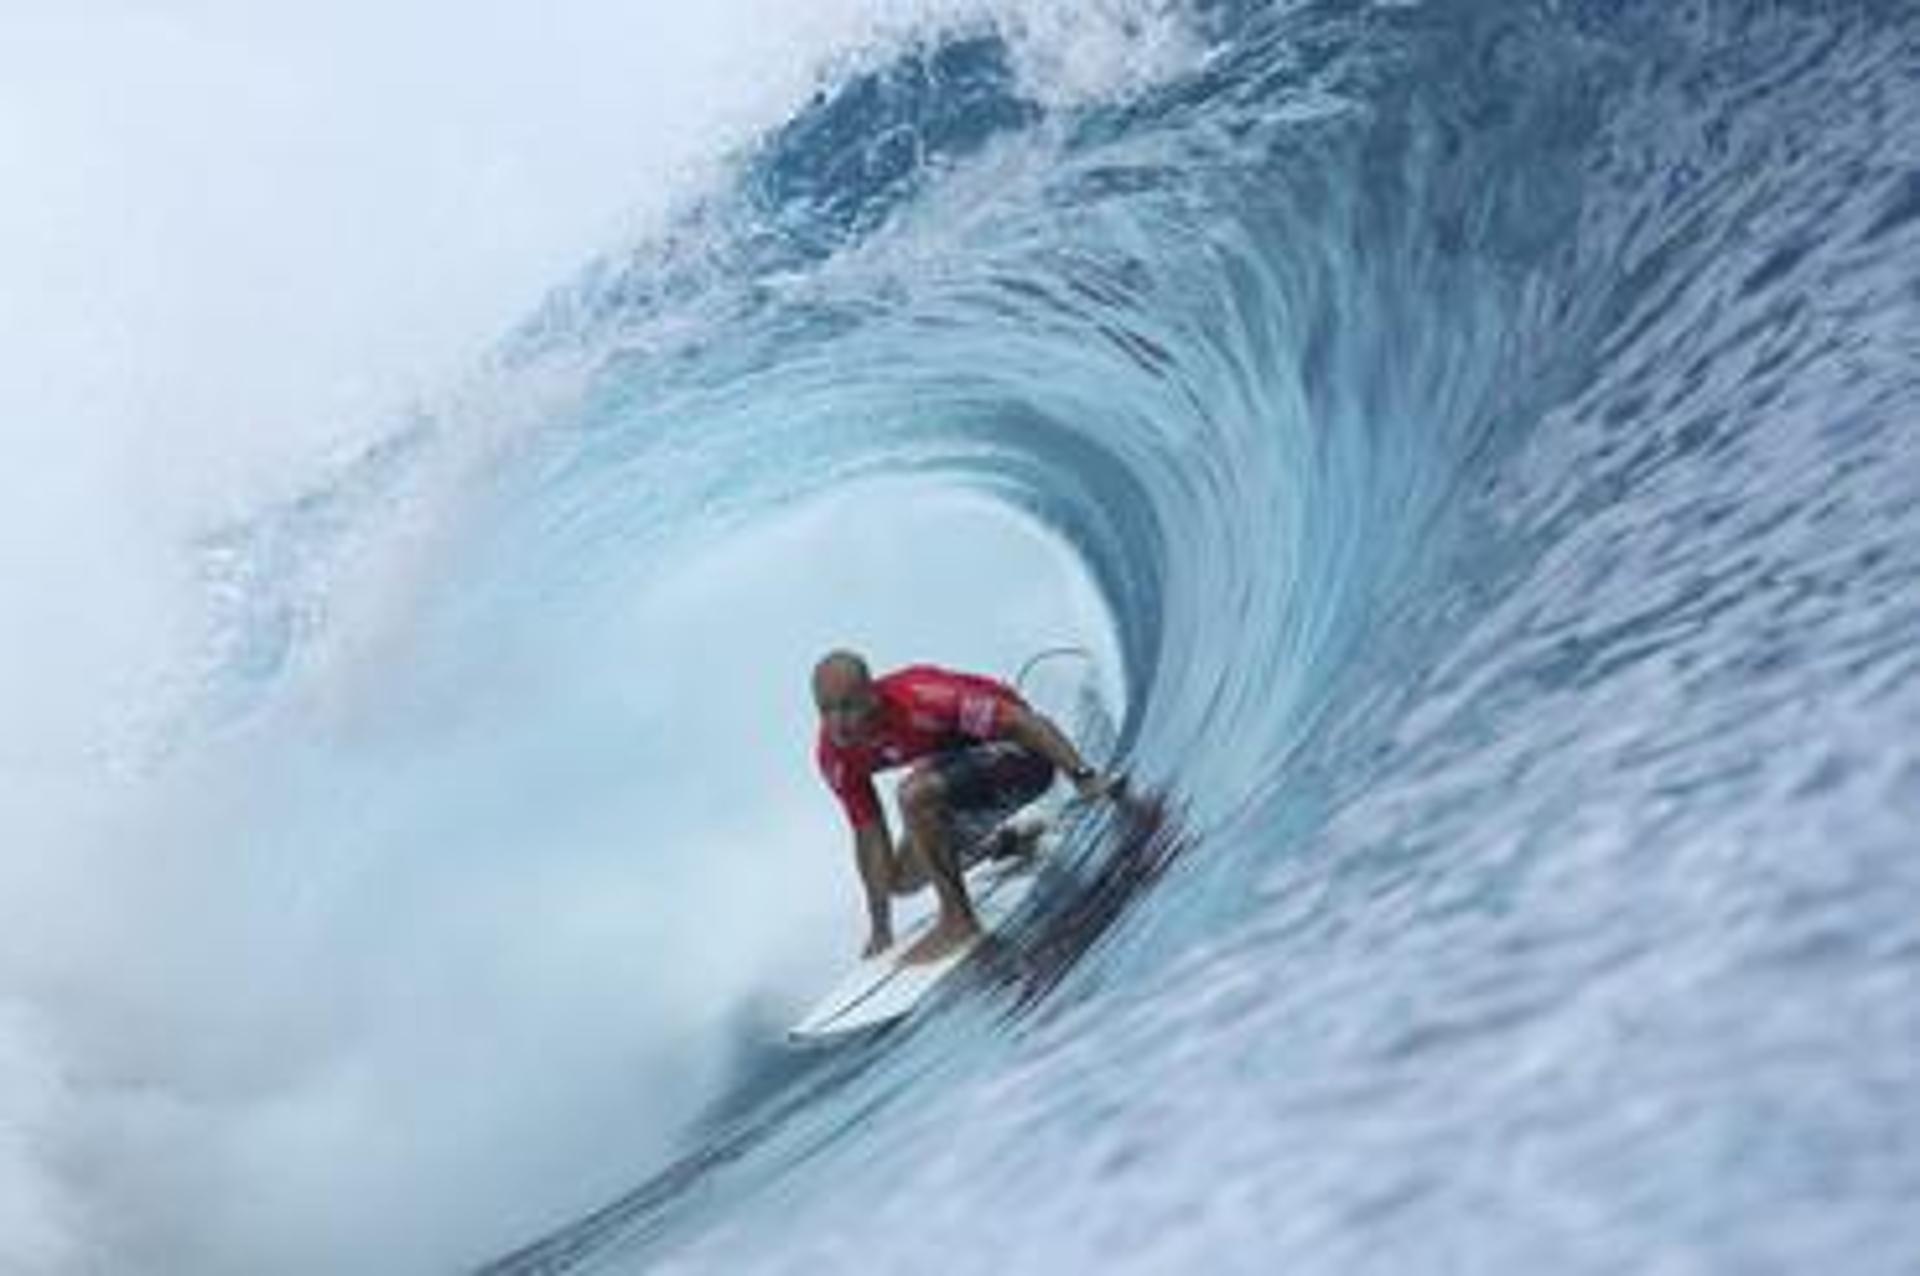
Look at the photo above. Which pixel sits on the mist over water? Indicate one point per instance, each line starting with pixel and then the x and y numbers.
pixel 332 870
pixel 1467 434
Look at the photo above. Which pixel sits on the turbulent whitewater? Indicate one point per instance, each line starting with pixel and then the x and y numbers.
pixel 1488 430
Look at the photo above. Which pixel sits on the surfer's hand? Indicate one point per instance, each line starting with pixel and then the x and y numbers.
pixel 878 942
pixel 1094 785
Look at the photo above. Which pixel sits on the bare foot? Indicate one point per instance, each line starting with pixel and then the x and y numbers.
pixel 943 939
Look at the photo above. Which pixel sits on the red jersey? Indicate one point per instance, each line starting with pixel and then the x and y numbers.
pixel 923 710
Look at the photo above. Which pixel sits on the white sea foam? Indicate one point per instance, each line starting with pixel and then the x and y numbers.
pixel 378 971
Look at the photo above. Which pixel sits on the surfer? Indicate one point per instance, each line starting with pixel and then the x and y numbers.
pixel 974 746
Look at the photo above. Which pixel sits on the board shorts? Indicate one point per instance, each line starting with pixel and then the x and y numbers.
pixel 985 783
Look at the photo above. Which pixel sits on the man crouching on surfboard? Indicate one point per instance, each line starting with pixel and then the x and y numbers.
pixel 974 745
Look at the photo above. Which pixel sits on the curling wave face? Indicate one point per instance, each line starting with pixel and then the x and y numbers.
pixel 1482 424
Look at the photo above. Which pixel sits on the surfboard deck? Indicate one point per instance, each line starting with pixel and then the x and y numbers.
pixel 882 989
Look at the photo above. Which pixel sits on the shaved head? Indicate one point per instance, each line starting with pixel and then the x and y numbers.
pixel 838 675
pixel 845 694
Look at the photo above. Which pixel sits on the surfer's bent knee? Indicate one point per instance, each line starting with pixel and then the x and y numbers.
pixel 923 793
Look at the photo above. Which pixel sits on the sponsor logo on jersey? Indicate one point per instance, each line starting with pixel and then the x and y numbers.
pixel 976 714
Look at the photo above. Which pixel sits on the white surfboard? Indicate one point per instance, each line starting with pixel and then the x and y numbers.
pixel 882 989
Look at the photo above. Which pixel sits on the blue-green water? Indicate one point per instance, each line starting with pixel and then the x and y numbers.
pixel 1488 427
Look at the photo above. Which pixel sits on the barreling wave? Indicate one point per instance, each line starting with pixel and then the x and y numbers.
pixel 1479 419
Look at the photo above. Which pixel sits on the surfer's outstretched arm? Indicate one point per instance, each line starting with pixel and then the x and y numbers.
pixel 1037 732
pixel 873 852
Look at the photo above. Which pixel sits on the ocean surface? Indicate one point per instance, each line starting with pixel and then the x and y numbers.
pixel 1485 430
pixel 1490 427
